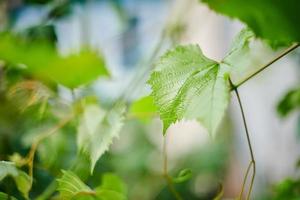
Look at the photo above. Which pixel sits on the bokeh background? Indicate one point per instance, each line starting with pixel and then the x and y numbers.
pixel 126 32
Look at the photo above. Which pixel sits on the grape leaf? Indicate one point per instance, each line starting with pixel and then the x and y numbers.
pixel 43 61
pixel 69 185
pixel 97 128
pixel 290 102
pixel 187 85
pixel 22 180
pixel 276 21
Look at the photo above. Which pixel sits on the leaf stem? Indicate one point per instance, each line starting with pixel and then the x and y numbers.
pixel 252 162
pixel 288 50
pixel 165 172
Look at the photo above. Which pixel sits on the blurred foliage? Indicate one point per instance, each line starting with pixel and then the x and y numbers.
pixel 290 102
pixel 42 61
pixel 276 21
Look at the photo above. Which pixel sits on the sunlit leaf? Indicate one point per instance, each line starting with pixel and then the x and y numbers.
pixel 97 128
pixel 187 85
pixel 276 21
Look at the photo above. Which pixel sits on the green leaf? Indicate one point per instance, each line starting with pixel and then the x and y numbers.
pixel 97 128
pixel 43 61
pixel 111 188
pixel 183 176
pixel 69 185
pixel 22 180
pixel 187 85
pixel 112 182
pixel 143 108
pixel 276 21
pixel 290 102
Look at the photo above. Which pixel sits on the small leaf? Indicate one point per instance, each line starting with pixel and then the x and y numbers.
pixel 290 102
pixel 187 85
pixel 97 128
pixel 23 182
pixel 183 176
pixel 69 185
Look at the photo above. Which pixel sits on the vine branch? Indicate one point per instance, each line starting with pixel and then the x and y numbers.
pixel 252 161
pixel 165 172
pixel 39 139
pixel 287 51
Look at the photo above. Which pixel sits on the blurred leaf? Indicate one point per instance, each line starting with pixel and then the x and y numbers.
pixel 43 61
pixel 29 93
pixel 4 196
pixel 23 181
pixel 289 103
pixel 187 85
pixel 69 185
pixel 276 21
pixel 112 182
pixel 287 189
pixel 97 128
pixel 183 176
pixel 111 188
pixel 143 108
pixel 7 169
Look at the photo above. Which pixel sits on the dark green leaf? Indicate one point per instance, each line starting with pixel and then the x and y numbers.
pixel 289 103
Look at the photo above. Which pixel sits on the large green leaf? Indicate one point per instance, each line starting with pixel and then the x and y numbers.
pixel 273 20
pixel 43 61
pixel 23 181
pixel 97 128
pixel 187 85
